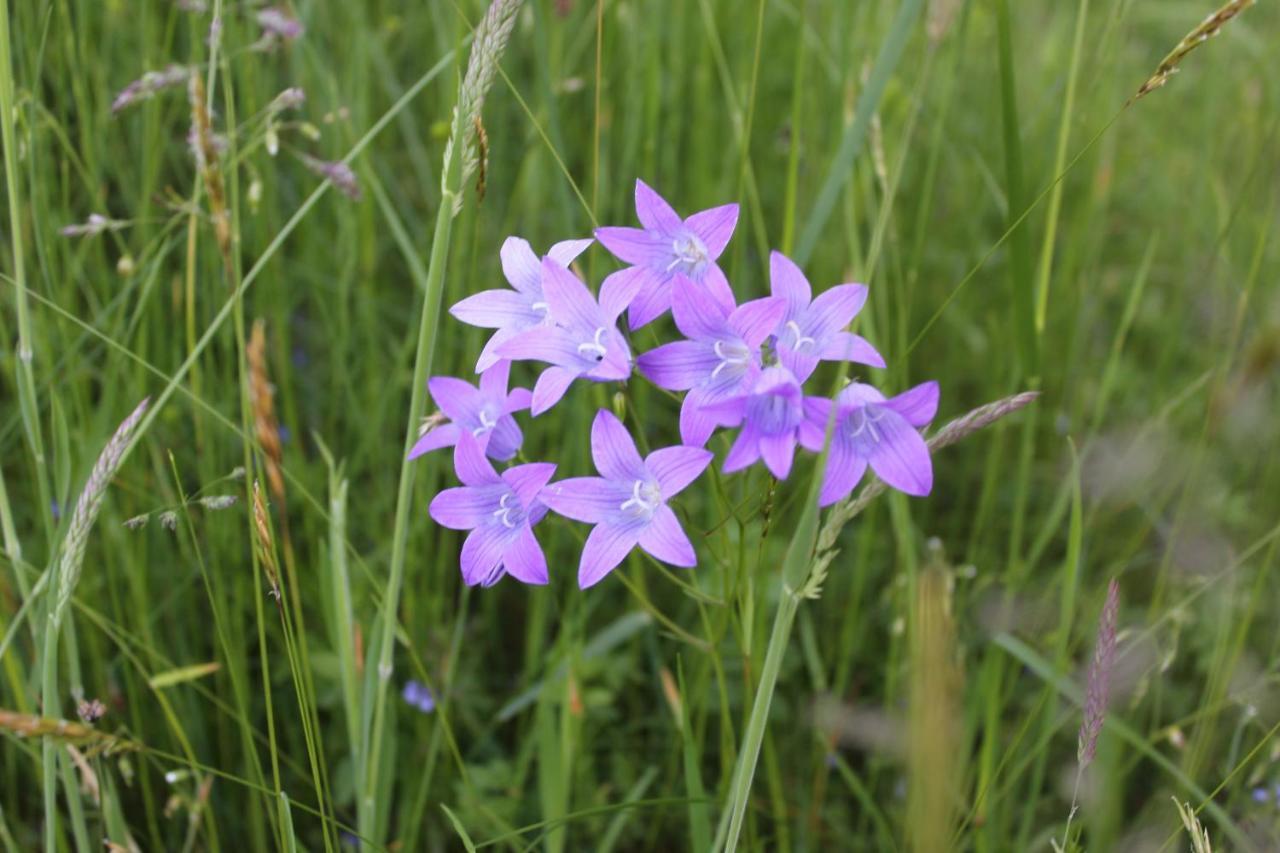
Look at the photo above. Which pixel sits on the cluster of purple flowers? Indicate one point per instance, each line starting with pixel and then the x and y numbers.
pixel 739 366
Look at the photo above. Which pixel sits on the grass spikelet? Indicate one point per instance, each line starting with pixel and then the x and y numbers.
pixel 262 400
pixel 1199 835
pixel 1098 686
pixel 1209 27
pixel 67 731
pixel 266 545
pixel 205 149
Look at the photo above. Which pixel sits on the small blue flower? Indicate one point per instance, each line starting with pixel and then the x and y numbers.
pixel 417 695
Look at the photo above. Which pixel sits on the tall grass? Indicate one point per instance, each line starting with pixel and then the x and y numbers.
pixel 889 674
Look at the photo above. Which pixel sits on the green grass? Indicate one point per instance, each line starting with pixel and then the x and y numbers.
pixel 973 161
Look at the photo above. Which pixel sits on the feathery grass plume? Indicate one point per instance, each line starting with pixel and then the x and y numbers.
pixel 266 549
pixel 490 41
pixel 1098 686
pixel 93 226
pixel 1199 835
pixel 149 84
pixel 262 400
pixel 206 151
pixel 87 508
pixel 81 734
pixel 1209 27
pixel 934 712
pixel 336 172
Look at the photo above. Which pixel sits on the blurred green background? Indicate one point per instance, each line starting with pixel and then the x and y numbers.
pixel 973 161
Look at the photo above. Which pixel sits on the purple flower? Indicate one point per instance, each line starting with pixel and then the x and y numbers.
pixel 871 430
pixel 668 245
pixel 500 511
pixel 771 413
pixel 813 330
pixel 419 696
pixel 628 503
pixel 583 339
pixel 720 360
pixel 278 23
pixel 485 412
pixel 513 311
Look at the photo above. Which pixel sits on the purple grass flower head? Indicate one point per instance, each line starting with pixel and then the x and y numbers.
pixel 418 695
pixel 583 339
pixel 668 245
pixel 500 511
pixel 1098 683
pixel 628 502
pixel 870 430
pixel 337 173
pixel 771 414
pixel 279 23
pixel 720 360
pixel 149 84
pixel 511 312
pixel 814 330
pixel 484 412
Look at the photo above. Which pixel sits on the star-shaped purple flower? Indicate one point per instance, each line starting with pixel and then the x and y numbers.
pixel 668 245
pixel 484 412
pixel 770 414
pixel 871 430
pixel 720 359
pixel 583 339
pixel 814 330
pixel 628 502
pixel 500 511
pixel 512 311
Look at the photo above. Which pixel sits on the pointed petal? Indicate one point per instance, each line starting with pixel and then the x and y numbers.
pixel 566 251
pixel 786 280
pixel 697 313
pixel 858 394
pixel 523 558
pixel 493 382
pixel 504 439
pixel 518 400
pixel 653 211
pixel 778 452
pixel 616 364
pixel 472 468
pixel 696 423
pixel 679 365
pixel 545 343
pixel 634 246
pixel 550 387
pixel 846 346
pixel 676 467
pixel 495 309
pixel 901 457
pixel 589 499
pixel 714 227
pixel 607 545
pixel 520 265
pixel 834 309
pixel 651 302
pixel 717 285
pixel 458 399
pixel 462 508
pixel 918 406
pixel 844 470
pixel 444 435
pixel 800 364
pixel 482 556
pixel 755 320
pixel 619 289
pixel 570 301
pixel 664 538
pixel 813 429
pixel 745 450
pixel 489 355
pixel 528 480
pixel 613 450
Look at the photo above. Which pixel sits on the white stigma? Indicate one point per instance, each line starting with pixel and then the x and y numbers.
pixel 737 356
pixel 541 306
pixel 487 422
pixel 867 417
pixel 802 339
pixel 503 512
pixel 594 347
pixel 687 250
pixel 644 499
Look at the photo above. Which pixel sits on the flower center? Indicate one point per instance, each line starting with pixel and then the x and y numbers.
pixel 801 340
pixel 541 306
pixel 487 422
pixel 594 349
pixel 862 425
pixel 775 413
pixel 687 254
pixel 733 356
pixel 645 498
pixel 509 512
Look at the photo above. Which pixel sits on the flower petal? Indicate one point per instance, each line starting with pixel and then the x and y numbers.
pixel 745 450
pixel 696 423
pixel 589 499
pixel 482 556
pixel 444 435
pixel 844 470
pixel 504 439
pixel 786 280
pixel 493 382
pixel 664 538
pixel 653 211
pixel 547 343
pixel 550 387
pixel 607 545
pixel 489 355
pixel 698 315
pixel 521 266
pixel 717 285
pixel 918 405
pixel 566 251
pixel 619 289
pixel 462 508
pixel 613 450
pixel 901 458
pixel 834 309
pixel 570 301
pixel 518 400
pixel 846 346
pixel 528 480
pixel 778 452
pixel 472 468
pixel 458 399
pixel 496 309
pixel 755 320
pixel 679 365
pixel 801 365
pixel 813 429
pixel 634 246
pixel 523 558
pixel 651 302
pixel 714 227
pixel 676 467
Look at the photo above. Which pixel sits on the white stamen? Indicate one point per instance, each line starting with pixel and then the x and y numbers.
pixel 801 338
pixel 687 250
pixel 503 512
pixel 487 423
pixel 541 306
pixel 594 346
